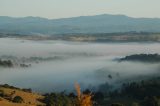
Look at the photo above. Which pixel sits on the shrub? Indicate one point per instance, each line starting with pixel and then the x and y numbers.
pixel 1 93
pixel 135 104
pixel 150 101
pixel 29 90
pixel 57 99
pixel 18 99
pixel 117 104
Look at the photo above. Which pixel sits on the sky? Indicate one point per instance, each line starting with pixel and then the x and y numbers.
pixel 54 9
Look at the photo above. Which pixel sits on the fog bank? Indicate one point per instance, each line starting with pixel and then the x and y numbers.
pixel 90 64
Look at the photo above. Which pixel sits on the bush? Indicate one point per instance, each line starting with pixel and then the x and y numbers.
pixel 1 93
pixel 57 99
pixel 135 104
pixel 29 90
pixel 150 101
pixel 18 99
pixel 117 104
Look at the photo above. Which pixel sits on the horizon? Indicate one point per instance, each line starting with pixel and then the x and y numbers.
pixel 80 16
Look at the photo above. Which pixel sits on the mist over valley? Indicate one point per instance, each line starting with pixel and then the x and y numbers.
pixel 57 65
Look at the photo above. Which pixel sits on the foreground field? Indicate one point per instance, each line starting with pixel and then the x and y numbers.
pixel 141 93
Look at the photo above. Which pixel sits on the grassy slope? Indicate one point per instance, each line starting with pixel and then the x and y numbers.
pixel 30 99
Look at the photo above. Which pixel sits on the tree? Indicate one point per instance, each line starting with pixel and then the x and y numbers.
pixel 83 99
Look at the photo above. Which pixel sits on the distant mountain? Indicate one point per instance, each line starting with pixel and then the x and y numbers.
pixel 84 24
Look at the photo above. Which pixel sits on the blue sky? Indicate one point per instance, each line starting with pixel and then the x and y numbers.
pixel 72 8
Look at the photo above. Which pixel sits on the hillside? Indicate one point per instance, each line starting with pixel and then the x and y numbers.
pixel 29 99
pixel 84 24
pixel 149 58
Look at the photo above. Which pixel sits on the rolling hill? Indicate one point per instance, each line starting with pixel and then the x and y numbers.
pixel 85 24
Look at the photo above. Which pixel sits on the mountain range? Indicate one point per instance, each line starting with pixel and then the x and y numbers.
pixel 84 24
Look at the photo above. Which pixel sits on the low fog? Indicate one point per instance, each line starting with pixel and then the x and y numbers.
pixel 60 64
